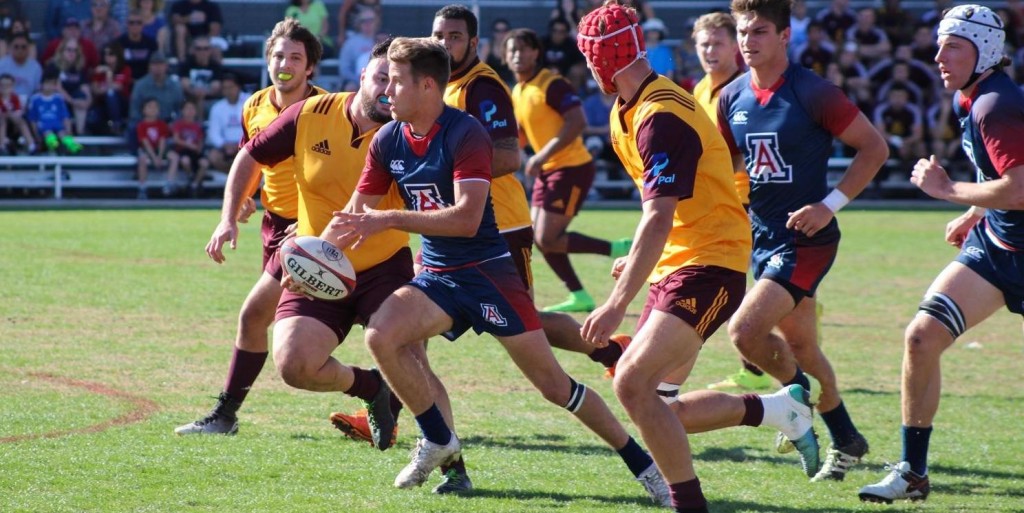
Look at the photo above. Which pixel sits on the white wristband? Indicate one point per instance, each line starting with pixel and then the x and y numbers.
pixel 835 200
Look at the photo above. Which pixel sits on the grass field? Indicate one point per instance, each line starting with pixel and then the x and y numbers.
pixel 115 328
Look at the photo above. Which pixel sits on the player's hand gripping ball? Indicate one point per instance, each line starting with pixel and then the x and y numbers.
pixel 319 266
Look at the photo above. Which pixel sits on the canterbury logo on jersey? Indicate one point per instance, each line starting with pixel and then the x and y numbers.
pixel 322 147
pixel 765 162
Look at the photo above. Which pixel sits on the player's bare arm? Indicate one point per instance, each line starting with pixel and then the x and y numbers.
pixel 649 241
pixel 958 228
pixel 872 152
pixel 572 127
pixel 506 159
pixel 242 177
pixel 459 220
pixel 1005 193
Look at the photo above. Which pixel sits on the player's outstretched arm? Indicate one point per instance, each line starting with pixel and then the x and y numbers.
pixel 242 177
pixel 648 243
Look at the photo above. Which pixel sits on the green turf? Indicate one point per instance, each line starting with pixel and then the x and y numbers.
pixel 115 328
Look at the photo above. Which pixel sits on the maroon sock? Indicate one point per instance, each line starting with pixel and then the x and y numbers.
pixel 365 384
pixel 608 355
pixel 245 367
pixel 559 263
pixel 459 466
pixel 687 497
pixel 396 405
pixel 754 369
pixel 754 414
pixel 579 243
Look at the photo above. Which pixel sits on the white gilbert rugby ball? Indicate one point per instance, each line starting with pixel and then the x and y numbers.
pixel 319 266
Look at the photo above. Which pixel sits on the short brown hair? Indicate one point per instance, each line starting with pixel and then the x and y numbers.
pixel 291 29
pixel 525 36
pixel 775 11
pixel 713 21
pixel 427 57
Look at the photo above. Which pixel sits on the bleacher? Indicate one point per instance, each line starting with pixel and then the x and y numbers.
pixel 108 167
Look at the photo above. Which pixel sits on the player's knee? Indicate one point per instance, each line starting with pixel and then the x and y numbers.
pixel 924 337
pixel 628 384
pixel 939 321
pixel 546 241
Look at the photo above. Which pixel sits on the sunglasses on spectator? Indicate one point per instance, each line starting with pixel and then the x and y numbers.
pixel 135 22
pixel 202 48
pixel 19 47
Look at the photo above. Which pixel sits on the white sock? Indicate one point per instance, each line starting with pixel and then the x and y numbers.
pixel 668 392
pixel 775 410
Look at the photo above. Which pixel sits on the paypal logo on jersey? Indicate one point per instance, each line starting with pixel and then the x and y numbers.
pixel 489 109
pixel 654 177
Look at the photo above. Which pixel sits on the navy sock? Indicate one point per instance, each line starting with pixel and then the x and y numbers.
pixel 636 457
pixel 840 426
pixel 687 497
pixel 915 448
pixel 608 355
pixel 459 466
pixel 799 379
pixel 433 427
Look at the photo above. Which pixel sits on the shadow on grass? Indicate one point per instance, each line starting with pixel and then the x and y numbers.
pixel 524 495
pixel 726 506
pixel 552 443
pixel 742 455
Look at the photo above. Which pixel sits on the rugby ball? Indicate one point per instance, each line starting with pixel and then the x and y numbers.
pixel 319 266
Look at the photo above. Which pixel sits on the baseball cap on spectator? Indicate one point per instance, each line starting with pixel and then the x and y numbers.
pixel 158 57
pixel 655 24
pixel 72 22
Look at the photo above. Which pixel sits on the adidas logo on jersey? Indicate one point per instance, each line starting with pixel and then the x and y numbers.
pixel 322 147
pixel 690 304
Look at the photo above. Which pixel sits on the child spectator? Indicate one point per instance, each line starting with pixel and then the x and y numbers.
pixel 49 116
pixel 188 147
pixel 153 134
pixel 111 87
pixel 11 113
pixel 69 64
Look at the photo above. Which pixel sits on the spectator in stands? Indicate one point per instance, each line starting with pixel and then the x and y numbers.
pixel 358 43
pixel 799 22
pixel 818 51
pixel 568 11
pixel 49 117
pixel 12 114
pixel 493 55
pixel 872 42
pixel 72 32
pixel 69 64
pixel 901 123
pixel 26 71
pixel 562 54
pixel 944 130
pixel 225 124
pixel 896 22
pixel 312 14
pixel 111 88
pixel 193 18
pixel 200 74
pixel 855 80
pixel 10 10
pixel 923 47
pixel 836 19
pixel 154 135
pixel 187 150
pixel 154 24
pixel 138 47
pixel 351 9
pixel 101 28
pixel 662 57
pixel 59 11
pixel 931 17
pixel 156 84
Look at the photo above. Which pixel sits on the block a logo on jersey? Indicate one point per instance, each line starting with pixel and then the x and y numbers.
pixel 489 109
pixel 655 176
pixel 322 147
pixel 491 314
pixel 425 196
pixel 766 164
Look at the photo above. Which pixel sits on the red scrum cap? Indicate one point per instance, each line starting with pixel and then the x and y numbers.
pixel 611 39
